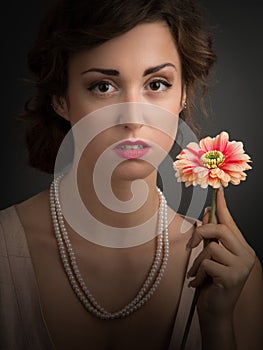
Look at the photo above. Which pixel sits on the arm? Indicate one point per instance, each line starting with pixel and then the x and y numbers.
pixel 244 329
pixel 229 278
pixel 248 314
pixel 218 334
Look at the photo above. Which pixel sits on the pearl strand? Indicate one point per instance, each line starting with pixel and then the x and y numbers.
pixel 81 282
pixel 71 267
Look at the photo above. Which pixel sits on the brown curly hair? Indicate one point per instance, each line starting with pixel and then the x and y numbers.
pixel 73 25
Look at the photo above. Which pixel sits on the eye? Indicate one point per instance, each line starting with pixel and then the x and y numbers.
pixel 159 85
pixel 102 87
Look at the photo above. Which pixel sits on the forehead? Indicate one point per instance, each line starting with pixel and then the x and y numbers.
pixel 147 44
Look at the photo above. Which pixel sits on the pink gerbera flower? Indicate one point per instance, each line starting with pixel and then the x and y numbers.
pixel 214 162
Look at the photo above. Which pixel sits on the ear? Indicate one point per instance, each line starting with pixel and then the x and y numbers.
pixel 60 106
pixel 184 98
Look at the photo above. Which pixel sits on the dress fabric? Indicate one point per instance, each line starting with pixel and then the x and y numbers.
pixel 24 330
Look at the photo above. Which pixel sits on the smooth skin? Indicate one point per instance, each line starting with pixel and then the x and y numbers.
pixel 232 299
pixel 115 275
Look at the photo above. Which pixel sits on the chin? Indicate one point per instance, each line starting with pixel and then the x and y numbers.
pixel 131 170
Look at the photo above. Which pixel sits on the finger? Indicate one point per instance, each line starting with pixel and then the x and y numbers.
pixel 206 216
pixel 214 252
pixel 219 232
pixel 212 269
pixel 225 217
pixel 223 213
pixel 226 276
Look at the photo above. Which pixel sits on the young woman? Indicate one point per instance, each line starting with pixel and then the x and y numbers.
pixel 118 74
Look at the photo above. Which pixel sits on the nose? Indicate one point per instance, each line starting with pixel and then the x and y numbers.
pixel 131 112
pixel 131 115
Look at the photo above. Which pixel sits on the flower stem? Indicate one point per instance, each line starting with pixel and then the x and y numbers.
pixel 213 206
pixel 196 294
pixel 212 213
pixel 189 320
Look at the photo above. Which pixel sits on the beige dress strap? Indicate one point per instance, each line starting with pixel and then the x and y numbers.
pixel 22 325
pixel 187 294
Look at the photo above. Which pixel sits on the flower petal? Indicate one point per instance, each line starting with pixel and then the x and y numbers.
pixel 207 144
pixel 190 168
pixel 221 142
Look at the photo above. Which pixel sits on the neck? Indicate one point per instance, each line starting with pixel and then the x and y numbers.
pixel 117 200
pixel 122 203
pixel 93 220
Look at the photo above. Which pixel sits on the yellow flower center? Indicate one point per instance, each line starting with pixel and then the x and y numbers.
pixel 212 159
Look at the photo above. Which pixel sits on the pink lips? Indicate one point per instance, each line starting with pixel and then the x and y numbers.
pixel 132 149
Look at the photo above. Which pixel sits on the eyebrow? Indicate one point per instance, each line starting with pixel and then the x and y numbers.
pixel 114 72
pixel 157 68
pixel 102 71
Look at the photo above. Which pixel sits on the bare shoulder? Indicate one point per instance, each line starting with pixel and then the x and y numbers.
pixel 248 315
pixel 181 229
pixel 34 213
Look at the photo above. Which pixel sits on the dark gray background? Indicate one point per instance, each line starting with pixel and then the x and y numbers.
pixel 235 101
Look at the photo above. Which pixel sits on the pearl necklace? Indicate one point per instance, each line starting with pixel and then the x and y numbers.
pixel 77 283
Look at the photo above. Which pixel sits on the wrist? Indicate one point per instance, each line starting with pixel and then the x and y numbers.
pixel 217 333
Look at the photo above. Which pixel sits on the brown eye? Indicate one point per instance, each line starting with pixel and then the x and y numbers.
pixel 155 85
pixel 159 85
pixel 102 87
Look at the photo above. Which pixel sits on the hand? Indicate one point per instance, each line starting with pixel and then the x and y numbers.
pixel 221 269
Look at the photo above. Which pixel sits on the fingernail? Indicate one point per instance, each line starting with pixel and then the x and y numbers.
pixel 190 284
pixel 221 189
pixel 189 274
pixel 207 209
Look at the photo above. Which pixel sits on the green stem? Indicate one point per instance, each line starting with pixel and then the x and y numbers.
pixel 213 206
pixel 196 294
pixel 212 213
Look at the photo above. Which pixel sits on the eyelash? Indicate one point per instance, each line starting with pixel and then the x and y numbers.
pixel 93 86
pixel 164 82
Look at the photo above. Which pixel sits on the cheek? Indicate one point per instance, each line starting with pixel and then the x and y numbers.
pixel 164 141
pixel 98 145
pixel 79 106
pixel 92 154
pixel 174 105
pixel 78 112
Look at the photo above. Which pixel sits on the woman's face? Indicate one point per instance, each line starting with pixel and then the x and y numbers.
pixel 141 66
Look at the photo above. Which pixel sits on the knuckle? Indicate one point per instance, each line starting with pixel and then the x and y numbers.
pixel 213 246
pixel 223 229
pixel 195 236
pixel 239 276
pixel 235 277
pixel 204 264
pixel 252 258
pixel 244 271
pixel 198 231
